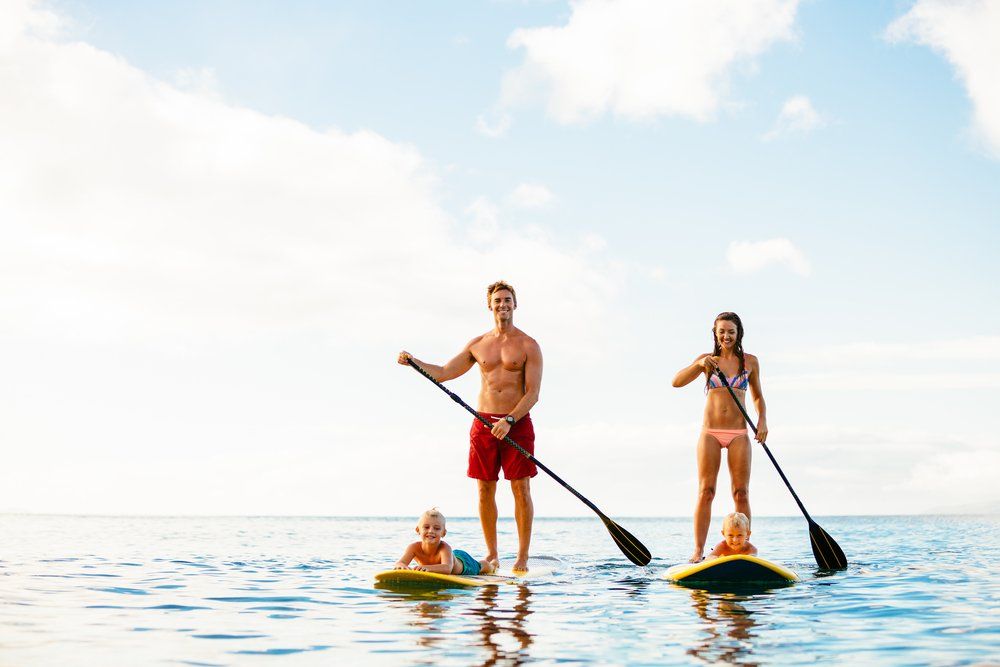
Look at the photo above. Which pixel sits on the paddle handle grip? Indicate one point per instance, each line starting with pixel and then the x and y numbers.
pixel 739 404
pixel 524 452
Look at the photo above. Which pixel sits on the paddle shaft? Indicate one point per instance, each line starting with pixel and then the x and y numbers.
pixel 784 479
pixel 455 397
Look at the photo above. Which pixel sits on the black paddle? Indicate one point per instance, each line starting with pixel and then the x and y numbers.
pixel 633 549
pixel 827 552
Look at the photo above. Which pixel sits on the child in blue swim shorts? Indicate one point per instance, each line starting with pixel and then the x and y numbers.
pixel 434 555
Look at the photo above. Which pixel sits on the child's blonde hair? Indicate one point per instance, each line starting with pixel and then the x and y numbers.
pixel 432 513
pixel 737 520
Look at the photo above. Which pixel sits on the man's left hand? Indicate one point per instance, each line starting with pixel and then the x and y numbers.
pixel 500 429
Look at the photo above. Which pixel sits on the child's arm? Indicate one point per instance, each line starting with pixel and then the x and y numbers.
pixel 404 561
pixel 751 550
pixel 445 564
pixel 719 550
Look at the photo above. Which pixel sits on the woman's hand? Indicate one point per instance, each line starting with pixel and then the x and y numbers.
pixel 710 363
pixel 761 431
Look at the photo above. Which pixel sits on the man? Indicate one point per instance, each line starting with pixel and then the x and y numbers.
pixel 510 366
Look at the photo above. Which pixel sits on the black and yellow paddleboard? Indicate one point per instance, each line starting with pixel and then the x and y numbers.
pixel 731 569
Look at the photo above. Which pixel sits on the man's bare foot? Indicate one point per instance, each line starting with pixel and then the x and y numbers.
pixel 521 564
pixel 697 557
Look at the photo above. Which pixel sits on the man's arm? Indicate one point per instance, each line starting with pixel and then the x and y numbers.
pixel 457 367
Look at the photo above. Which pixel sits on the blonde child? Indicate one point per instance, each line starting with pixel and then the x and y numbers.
pixel 434 555
pixel 736 530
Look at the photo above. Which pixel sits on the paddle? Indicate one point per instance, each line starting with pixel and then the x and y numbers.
pixel 827 552
pixel 633 549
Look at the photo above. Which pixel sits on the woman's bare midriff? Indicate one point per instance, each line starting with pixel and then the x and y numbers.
pixel 721 412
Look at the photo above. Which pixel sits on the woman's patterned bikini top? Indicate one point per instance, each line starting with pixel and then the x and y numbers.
pixel 741 381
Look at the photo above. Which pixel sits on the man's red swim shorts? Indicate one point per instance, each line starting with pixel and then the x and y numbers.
pixel 487 454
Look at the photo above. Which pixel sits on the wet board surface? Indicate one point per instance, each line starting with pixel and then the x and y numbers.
pixel 735 569
pixel 538 568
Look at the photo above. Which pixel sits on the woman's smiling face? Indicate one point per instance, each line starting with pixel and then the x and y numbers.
pixel 725 334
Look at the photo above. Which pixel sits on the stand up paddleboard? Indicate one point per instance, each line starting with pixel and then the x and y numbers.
pixel 537 569
pixel 731 570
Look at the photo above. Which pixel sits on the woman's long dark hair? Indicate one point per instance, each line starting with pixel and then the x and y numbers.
pixel 738 348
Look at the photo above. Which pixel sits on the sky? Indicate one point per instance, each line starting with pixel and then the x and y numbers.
pixel 220 222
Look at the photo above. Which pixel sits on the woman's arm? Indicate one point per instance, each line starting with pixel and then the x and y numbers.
pixel 758 399
pixel 704 363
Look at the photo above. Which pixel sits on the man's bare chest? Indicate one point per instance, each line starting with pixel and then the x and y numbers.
pixel 490 356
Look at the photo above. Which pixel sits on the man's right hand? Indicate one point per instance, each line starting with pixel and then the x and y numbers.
pixel 404 358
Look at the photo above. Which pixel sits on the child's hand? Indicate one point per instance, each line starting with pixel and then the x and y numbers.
pixel 419 568
pixel 401 566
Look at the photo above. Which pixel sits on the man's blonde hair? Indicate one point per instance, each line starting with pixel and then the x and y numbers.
pixel 737 520
pixel 432 513
pixel 496 287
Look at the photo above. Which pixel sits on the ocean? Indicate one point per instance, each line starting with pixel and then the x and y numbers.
pixel 299 590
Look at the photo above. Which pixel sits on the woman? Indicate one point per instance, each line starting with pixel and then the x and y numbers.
pixel 724 427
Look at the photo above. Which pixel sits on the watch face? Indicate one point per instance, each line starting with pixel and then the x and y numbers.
pixel 510 420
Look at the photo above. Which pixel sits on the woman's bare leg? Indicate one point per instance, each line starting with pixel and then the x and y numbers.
pixel 739 458
pixel 709 459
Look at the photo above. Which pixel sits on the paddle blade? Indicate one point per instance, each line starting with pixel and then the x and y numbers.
pixel 827 552
pixel 633 549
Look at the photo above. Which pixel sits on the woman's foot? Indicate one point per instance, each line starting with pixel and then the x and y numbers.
pixel 697 557
pixel 521 564
pixel 488 566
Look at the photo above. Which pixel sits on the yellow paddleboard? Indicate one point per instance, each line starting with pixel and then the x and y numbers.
pixel 731 569
pixel 418 578
pixel 537 569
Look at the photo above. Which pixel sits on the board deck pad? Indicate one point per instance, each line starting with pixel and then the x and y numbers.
pixel 538 568
pixel 731 569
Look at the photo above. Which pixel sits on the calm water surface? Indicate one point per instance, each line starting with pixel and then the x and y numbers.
pixel 289 591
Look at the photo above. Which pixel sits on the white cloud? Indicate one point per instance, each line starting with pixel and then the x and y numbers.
pixel 750 256
pixel 200 80
pixel 967 34
pixel 134 210
pixel 797 116
pixel 494 126
pixel 639 59
pixel 594 242
pixel 157 243
pixel 485 220
pixel 531 195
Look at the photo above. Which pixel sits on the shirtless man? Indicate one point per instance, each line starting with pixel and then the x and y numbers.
pixel 510 366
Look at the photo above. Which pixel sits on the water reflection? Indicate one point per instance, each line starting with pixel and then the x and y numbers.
pixel 498 613
pixel 728 627
pixel 634 587
pixel 501 626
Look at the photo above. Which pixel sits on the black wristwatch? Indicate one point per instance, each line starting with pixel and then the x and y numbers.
pixel 510 420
